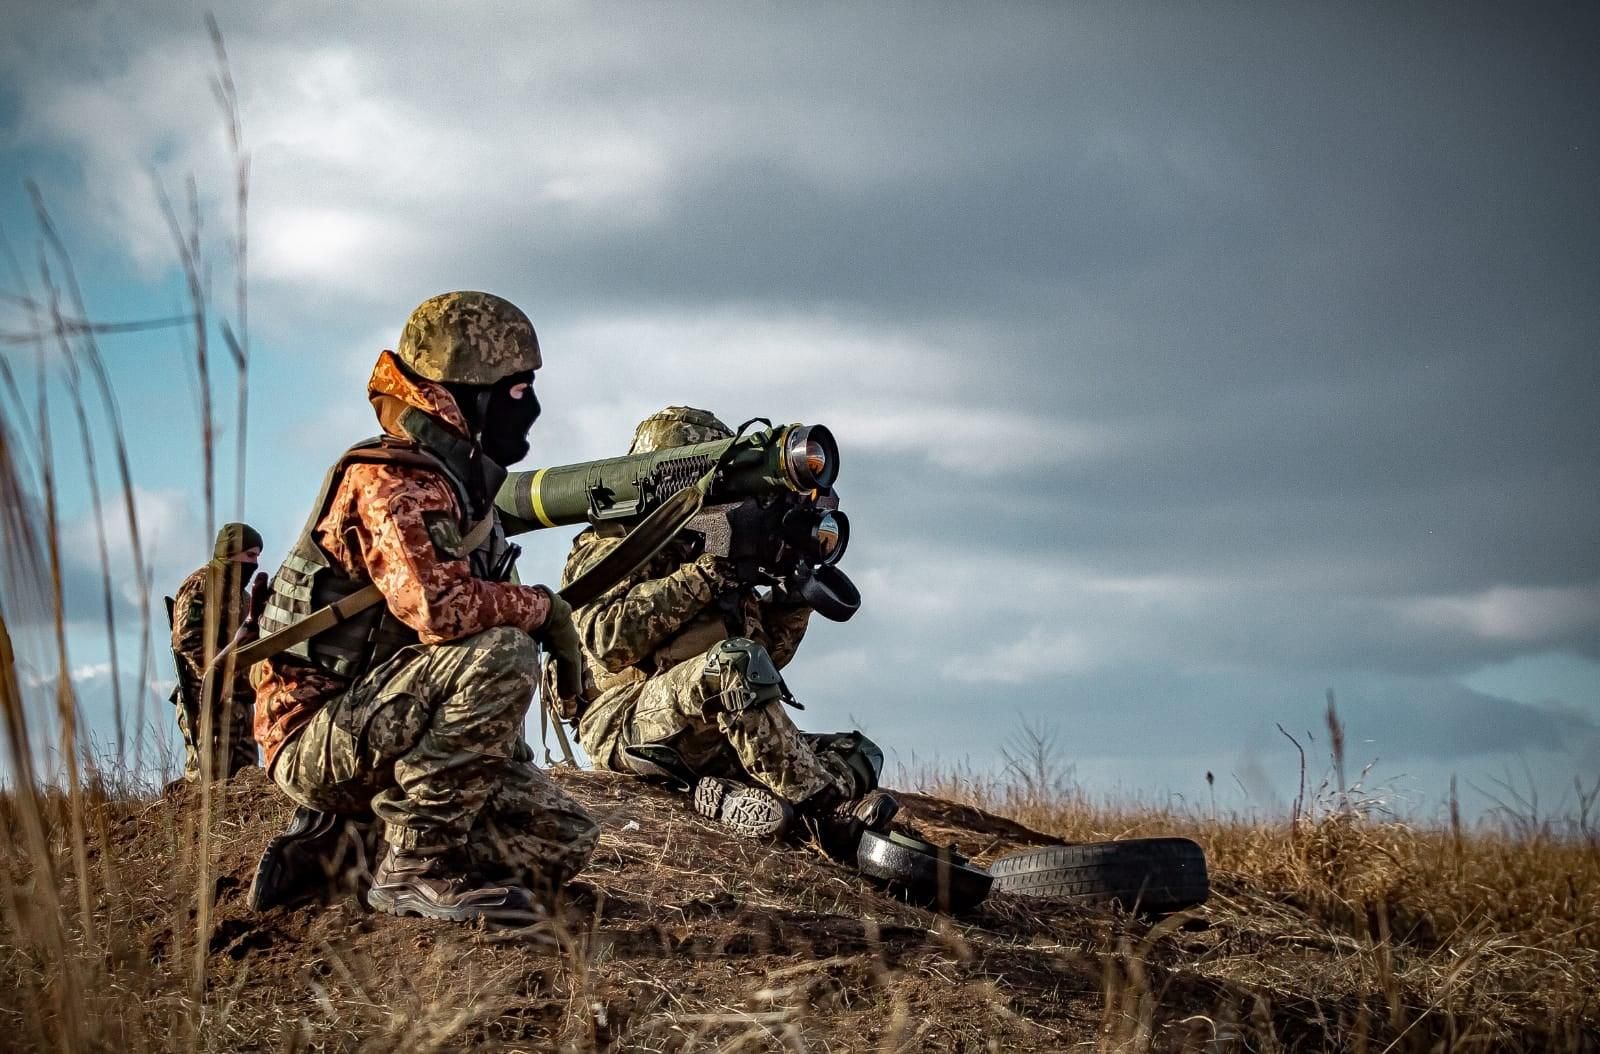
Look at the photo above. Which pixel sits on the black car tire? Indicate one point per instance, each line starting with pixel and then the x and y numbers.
pixel 1154 875
pixel 922 873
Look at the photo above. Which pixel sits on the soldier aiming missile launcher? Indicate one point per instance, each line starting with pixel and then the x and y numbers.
pixel 769 504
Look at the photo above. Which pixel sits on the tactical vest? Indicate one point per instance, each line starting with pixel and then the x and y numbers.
pixel 307 579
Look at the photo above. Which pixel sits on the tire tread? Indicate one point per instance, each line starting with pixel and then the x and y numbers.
pixel 1151 874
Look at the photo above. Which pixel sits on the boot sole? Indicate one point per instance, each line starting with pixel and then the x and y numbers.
pixel 749 814
pixel 403 905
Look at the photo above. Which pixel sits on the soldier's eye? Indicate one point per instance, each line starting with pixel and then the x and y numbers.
pixel 519 390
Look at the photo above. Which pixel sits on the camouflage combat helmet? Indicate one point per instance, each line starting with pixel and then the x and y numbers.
pixel 468 338
pixel 233 539
pixel 677 426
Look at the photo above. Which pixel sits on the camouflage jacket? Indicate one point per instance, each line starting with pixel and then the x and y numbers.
pixel 189 628
pixel 376 528
pixel 665 613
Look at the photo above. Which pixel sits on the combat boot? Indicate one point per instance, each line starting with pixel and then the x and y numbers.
pixel 837 828
pixel 431 886
pixel 298 862
pixel 753 812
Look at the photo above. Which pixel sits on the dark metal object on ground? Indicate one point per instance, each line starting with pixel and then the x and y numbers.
pixel 1151 875
pixel 921 872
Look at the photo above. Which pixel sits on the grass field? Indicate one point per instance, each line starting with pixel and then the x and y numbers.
pixel 1330 932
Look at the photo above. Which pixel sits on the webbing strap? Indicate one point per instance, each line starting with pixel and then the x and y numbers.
pixel 652 533
pixel 636 547
pixel 547 717
pixel 325 618
pixel 475 537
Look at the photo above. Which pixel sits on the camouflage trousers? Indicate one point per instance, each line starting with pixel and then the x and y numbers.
pixel 685 707
pixel 231 734
pixel 432 742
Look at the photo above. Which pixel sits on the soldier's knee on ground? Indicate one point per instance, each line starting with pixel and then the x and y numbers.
pixel 544 853
pixel 743 674
pixel 513 649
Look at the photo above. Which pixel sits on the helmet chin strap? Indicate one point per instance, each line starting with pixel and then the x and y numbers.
pixel 480 417
pixel 473 402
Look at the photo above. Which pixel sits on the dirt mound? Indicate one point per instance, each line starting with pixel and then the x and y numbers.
pixel 678 937
pixel 676 934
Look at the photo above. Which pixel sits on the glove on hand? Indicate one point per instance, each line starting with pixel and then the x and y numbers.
pixel 718 572
pixel 559 637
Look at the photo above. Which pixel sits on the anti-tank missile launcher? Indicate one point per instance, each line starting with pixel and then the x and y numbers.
pixel 769 505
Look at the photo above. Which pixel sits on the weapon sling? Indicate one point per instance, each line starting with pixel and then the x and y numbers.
pixel 650 536
pixel 326 618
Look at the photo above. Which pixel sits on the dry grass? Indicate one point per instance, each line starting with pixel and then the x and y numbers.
pixel 679 938
pixel 1486 930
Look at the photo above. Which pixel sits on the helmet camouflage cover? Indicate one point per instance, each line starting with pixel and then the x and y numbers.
pixel 677 426
pixel 468 337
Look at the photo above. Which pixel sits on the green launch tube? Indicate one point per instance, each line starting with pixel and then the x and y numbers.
pixel 797 458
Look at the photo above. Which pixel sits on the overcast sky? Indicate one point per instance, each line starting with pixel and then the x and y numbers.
pixel 1189 361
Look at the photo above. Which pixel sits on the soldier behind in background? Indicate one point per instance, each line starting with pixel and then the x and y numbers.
pixel 683 656
pixel 413 709
pixel 223 582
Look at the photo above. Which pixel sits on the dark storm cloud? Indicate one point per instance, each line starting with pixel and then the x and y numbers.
pixel 1339 267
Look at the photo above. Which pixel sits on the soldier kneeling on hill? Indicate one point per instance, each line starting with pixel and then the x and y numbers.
pixel 682 683
pixel 414 708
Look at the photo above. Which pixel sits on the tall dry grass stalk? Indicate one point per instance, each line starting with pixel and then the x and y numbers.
pixel 61 336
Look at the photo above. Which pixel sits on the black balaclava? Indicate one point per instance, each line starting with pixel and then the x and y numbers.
pixel 498 422
pixel 233 539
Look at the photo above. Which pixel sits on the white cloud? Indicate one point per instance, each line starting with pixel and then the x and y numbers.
pixel 134 131
pixel 81 674
pixel 326 246
pixel 881 388
pixel 170 530
pixel 1508 613
pixel 1043 652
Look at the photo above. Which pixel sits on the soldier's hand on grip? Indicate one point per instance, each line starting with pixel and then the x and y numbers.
pixel 718 571
pixel 559 637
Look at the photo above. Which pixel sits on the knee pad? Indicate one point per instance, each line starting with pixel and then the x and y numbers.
pixel 744 673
